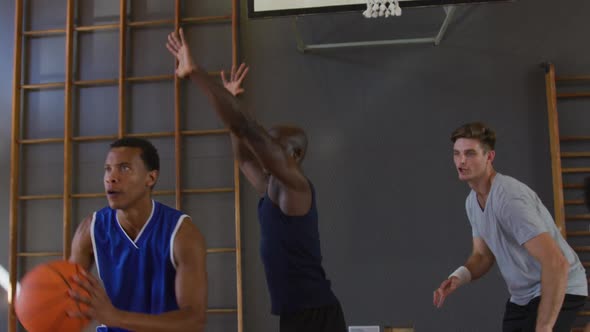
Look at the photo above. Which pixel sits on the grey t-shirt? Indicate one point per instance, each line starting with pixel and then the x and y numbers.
pixel 513 215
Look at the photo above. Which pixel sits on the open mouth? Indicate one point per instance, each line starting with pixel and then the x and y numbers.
pixel 113 193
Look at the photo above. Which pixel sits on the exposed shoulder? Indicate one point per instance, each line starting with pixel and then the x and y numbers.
pixel 82 249
pixel 188 235
pixel 85 227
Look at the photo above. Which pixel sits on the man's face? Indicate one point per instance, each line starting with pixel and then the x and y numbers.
pixel 471 160
pixel 126 178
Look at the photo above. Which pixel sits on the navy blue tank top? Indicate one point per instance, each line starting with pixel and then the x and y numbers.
pixel 138 274
pixel 290 251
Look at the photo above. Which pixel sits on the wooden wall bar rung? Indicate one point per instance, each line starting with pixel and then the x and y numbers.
pixel 578 217
pixel 571 170
pixel 43 86
pixel 40 197
pixel 151 135
pixel 154 78
pixel 575 155
pixel 574 202
pixel 94 138
pixel 154 23
pixel 155 193
pixel 101 27
pixel 41 140
pixel 573 78
pixel 109 81
pixel 208 191
pixel 40 254
pixel 92 195
pixel 566 95
pixel 100 195
pixel 96 82
pixel 163 192
pixel 49 32
pixel 222 311
pixel 220 250
pixel 573 186
pixel 581 248
pixel 208 132
pixel 207 19
pixel 574 138
pixel 578 233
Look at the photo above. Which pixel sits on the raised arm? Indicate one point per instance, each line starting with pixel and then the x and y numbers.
pixel 249 164
pixel 268 152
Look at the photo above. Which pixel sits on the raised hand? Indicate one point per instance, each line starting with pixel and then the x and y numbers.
pixel 234 84
pixel 177 45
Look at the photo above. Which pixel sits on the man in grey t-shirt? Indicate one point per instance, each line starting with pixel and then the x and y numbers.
pixel 512 227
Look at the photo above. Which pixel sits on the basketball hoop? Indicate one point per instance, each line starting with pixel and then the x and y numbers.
pixel 382 8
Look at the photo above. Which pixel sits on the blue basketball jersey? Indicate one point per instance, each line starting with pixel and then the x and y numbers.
pixel 138 274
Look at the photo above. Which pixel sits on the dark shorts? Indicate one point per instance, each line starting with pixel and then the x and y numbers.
pixel 323 319
pixel 523 318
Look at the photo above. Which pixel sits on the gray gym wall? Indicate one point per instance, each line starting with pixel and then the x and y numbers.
pixel 392 215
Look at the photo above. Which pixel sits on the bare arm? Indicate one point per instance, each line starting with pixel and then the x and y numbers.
pixel 191 292
pixel 82 251
pixel 554 273
pixel 481 260
pixel 249 165
pixel 271 154
pixel 479 263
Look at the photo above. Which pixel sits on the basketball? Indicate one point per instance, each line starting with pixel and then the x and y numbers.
pixel 42 303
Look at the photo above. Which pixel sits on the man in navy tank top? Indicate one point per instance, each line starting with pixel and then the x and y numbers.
pixel 150 258
pixel 299 291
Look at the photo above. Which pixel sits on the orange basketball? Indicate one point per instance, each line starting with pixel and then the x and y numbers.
pixel 43 300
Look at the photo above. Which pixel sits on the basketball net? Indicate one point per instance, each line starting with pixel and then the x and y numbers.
pixel 382 8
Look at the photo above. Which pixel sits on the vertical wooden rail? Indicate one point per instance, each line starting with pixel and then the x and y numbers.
pixel 555 148
pixel 15 158
pixel 67 194
pixel 238 231
pixel 122 66
pixel 177 128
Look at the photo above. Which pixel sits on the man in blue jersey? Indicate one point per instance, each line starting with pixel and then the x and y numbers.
pixel 511 226
pixel 299 290
pixel 150 257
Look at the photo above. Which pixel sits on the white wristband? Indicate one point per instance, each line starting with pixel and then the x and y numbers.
pixel 463 274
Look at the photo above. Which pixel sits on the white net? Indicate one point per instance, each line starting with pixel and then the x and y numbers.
pixel 382 8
